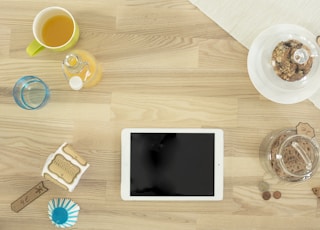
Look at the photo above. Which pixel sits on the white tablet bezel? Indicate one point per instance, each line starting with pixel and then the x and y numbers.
pixel 125 163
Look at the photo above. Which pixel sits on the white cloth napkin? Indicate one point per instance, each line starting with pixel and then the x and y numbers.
pixel 245 19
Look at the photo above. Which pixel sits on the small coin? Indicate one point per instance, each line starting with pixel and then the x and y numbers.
pixel 277 195
pixel 266 195
pixel 263 186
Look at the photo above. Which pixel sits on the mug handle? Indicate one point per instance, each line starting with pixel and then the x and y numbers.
pixel 34 47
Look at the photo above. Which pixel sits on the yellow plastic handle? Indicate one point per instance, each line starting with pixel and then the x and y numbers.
pixel 34 47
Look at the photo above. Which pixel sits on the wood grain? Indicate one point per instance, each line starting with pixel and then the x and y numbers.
pixel 165 64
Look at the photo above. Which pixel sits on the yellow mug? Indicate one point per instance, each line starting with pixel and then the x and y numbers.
pixel 53 28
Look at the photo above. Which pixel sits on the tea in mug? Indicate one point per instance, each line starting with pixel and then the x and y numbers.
pixel 57 30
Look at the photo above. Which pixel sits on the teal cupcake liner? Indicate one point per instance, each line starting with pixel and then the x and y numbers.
pixel 63 212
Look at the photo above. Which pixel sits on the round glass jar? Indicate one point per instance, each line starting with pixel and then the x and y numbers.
pixel 289 156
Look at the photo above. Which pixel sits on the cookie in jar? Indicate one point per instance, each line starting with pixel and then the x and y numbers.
pixel 291 60
pixel 291 154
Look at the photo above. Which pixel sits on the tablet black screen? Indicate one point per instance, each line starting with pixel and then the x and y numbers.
pixel 172 164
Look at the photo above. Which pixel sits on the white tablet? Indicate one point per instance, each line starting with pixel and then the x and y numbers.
pixel 172 164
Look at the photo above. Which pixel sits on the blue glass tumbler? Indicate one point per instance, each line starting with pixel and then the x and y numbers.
pixel 31 93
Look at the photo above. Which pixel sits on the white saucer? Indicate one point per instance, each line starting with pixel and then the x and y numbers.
pixel 261 71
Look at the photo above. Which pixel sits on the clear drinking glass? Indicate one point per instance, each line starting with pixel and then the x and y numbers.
pixel 31 93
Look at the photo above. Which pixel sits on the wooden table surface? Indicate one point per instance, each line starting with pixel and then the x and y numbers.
pixel 165 64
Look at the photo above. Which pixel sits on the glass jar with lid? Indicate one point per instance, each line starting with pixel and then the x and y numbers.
pixel 81 69
pixel 284 64
pixel 289 155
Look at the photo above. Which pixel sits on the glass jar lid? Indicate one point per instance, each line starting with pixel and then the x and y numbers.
pixel 298 157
